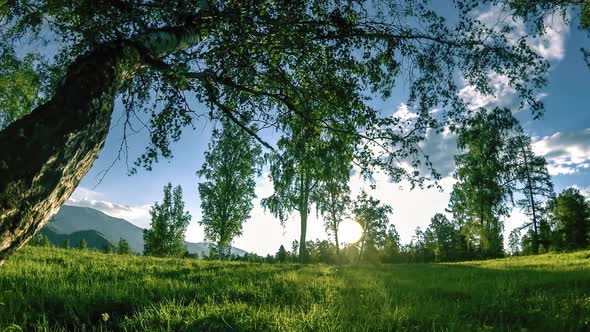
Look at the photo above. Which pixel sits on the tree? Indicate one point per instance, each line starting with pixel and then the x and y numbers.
pixel 571 212
pixel 41 240
pixel 531 171
pixel 227 192
pixel 374 219
pixel 295 176
pixel 484 187
pixel 392 247
pixel 334 193
pixel 281 255
pixel 66 244
pixel 514 241
pixel 442 231
pixel 83 245
pixel 165 237
pixel 107 248
pixel 123 247
pixel 537 12
pixel 244 52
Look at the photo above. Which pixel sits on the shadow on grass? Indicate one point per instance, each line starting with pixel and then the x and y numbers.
pixel 463 297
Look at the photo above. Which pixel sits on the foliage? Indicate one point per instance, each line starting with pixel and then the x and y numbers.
pixel 536 188
pixel 374 219
pixel 483 192
pixel 20 86
pixel 282 254
pixel 83 245
pixel 165 237
pixel 514 242
pixel 392 248
pixel 61 290
pixel 443 236
pixel 107 248
pixel 571 211
pixel 247 66
pixel 227 191
pixel 40 240
pixel 333 195
pixel 123 247
pixel 280 65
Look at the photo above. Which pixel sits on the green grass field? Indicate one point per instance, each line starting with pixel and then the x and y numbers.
pixel 57 289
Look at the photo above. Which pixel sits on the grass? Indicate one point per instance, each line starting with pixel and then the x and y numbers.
pixel 57 289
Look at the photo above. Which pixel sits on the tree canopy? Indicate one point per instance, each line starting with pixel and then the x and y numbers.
pixel 262 60
pixel 229 171
pixel 165 237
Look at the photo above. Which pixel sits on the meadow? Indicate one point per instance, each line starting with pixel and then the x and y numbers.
pixel 52 289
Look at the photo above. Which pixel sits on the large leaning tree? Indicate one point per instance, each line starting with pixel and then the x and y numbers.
pixel 171 62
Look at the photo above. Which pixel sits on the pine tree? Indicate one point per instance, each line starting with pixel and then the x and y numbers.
pixel 536 187
pixel 123 247
pixel 281 254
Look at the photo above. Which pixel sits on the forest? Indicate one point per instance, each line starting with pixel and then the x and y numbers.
pixel 294 91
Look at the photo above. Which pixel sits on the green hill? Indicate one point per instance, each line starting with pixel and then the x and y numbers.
pixel 71 220
pixel 94 239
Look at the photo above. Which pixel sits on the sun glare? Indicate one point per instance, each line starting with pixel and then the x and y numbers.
pixel 349 231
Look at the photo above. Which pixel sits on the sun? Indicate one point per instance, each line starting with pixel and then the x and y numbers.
pixel 349 232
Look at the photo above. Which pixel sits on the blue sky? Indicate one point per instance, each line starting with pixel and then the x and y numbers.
pixel 562 136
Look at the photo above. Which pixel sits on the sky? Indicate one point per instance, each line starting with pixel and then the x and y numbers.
pixel 562 136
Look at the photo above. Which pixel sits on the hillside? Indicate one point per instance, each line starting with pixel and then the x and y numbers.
pixel 101 228
pixel 94 239
pixel 56 289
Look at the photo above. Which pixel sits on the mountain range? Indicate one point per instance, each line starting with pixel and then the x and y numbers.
pixel 74 223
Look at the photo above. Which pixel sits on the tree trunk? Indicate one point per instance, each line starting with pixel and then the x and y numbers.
pixel 532 201
pixel 303 212
pixel 362 247
pixel 303 246
pixel 336 238
pixel 44 155
pixel 335 229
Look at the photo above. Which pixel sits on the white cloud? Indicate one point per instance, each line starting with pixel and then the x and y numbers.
pixel 503 94
pixel 403 113
pixel 441 149
pixel 584 191
pixel 137 215
pixel 551 46
pixel 566 152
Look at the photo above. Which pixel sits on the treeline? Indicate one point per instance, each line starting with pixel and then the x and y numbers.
pixel 496 172
pixel 121 248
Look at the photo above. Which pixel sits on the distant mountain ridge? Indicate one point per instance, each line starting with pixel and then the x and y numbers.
pixel 74 223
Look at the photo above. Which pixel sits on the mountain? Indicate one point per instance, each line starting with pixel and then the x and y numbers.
pixel 94 239
pixel 74 223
